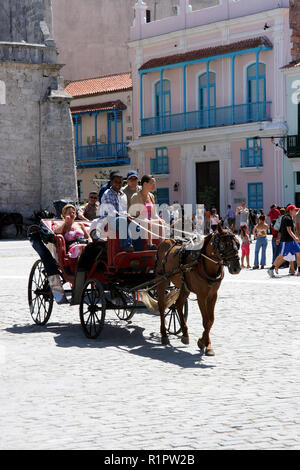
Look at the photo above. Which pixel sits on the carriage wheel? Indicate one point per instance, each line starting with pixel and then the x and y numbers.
pixel 92 308
pixel 172 320
pixel 40 297
pixel 125 304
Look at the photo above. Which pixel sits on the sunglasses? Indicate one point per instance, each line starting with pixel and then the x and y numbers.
pixel 93 197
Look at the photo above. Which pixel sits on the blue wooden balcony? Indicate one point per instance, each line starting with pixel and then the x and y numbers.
pixel 98 155
pixel 293 146
pixel 202 119
pixel 251 158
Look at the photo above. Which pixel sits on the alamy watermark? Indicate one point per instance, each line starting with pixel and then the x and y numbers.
pixel 296 93
pixel 166 221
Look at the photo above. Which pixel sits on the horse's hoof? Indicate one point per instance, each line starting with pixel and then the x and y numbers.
pixel 200 345
pixel 185 339
pixel 165 341
pixel 209 352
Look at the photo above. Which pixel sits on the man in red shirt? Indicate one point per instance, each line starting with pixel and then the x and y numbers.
pixel 273 214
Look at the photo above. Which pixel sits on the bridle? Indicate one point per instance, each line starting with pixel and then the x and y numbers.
pixel 225 252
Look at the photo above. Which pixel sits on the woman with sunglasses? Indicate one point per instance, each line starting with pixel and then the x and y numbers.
pixel 143 209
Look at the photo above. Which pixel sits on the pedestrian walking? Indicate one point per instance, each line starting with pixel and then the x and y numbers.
pixel 260 233
pixel 243 212
pixel 207 222
pixel 214 219
pixel 290 246
pixel 230 217
pixel 252 221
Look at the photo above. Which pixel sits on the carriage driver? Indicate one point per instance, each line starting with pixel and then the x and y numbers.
pixel 113 210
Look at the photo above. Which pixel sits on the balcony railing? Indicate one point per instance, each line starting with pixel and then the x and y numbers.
pixel 293 146
pixel 102 155
pixel 251 158
pixel 213 117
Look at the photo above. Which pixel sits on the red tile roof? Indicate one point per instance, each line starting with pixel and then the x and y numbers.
pixel 207 52
pixel 100 85
pixel 108 105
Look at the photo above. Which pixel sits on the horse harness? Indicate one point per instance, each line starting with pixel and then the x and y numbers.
pixel 222 255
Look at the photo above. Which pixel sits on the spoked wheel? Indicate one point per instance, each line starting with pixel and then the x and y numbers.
pixel 40 297
pixel 92 308
pixel 172 319
pixel 124 304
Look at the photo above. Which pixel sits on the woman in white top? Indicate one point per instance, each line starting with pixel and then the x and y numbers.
pixel 214 219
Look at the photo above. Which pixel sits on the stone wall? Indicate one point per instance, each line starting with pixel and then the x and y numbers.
pixel 37 160
pixel 36 140
pixel 20 21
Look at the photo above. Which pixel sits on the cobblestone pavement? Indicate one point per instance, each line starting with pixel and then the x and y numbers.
pixel 125 391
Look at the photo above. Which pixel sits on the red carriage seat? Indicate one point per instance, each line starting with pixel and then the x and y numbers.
pixel 136 261
pixel 66 264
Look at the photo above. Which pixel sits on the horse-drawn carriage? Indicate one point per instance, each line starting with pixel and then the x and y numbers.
pixel 106 278
pixel 103 278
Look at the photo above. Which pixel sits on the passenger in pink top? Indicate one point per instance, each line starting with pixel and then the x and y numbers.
pixel 72 230
pixel 143 208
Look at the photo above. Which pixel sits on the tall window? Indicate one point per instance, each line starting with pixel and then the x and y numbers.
pixel 207 98
pixel 205 88
pixel 114 127
pixel 254 152
pixel 252 83
pixel 163 98
pixel 255 195
pixel 160 164
pixel 78 131
pixel 256 91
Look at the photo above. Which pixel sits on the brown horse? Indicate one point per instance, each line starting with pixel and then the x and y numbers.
pixel 204 278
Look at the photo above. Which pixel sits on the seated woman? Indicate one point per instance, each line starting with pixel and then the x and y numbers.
pixel 142 208
pixel 72 231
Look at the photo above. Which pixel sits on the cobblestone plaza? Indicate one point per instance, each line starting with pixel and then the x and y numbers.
pixel 125 391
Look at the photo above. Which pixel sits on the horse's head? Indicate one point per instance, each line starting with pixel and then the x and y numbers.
pixel 226 249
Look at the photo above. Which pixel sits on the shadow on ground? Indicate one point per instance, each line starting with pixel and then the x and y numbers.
pixel 121 335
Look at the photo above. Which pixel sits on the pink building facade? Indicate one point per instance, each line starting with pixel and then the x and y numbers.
pixel 208 96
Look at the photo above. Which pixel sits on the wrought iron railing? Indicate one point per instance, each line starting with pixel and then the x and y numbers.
pixel 293 145
pixel 251 158
pixel 213 117
pixel 101 153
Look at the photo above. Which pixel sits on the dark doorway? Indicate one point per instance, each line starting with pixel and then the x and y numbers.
pixel 208 184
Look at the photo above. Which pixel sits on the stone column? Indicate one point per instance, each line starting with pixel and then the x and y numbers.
pixel 58 171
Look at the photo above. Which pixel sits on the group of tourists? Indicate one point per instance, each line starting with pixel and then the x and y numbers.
pixel 284 226
pixel 129 211
pixel 283 223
